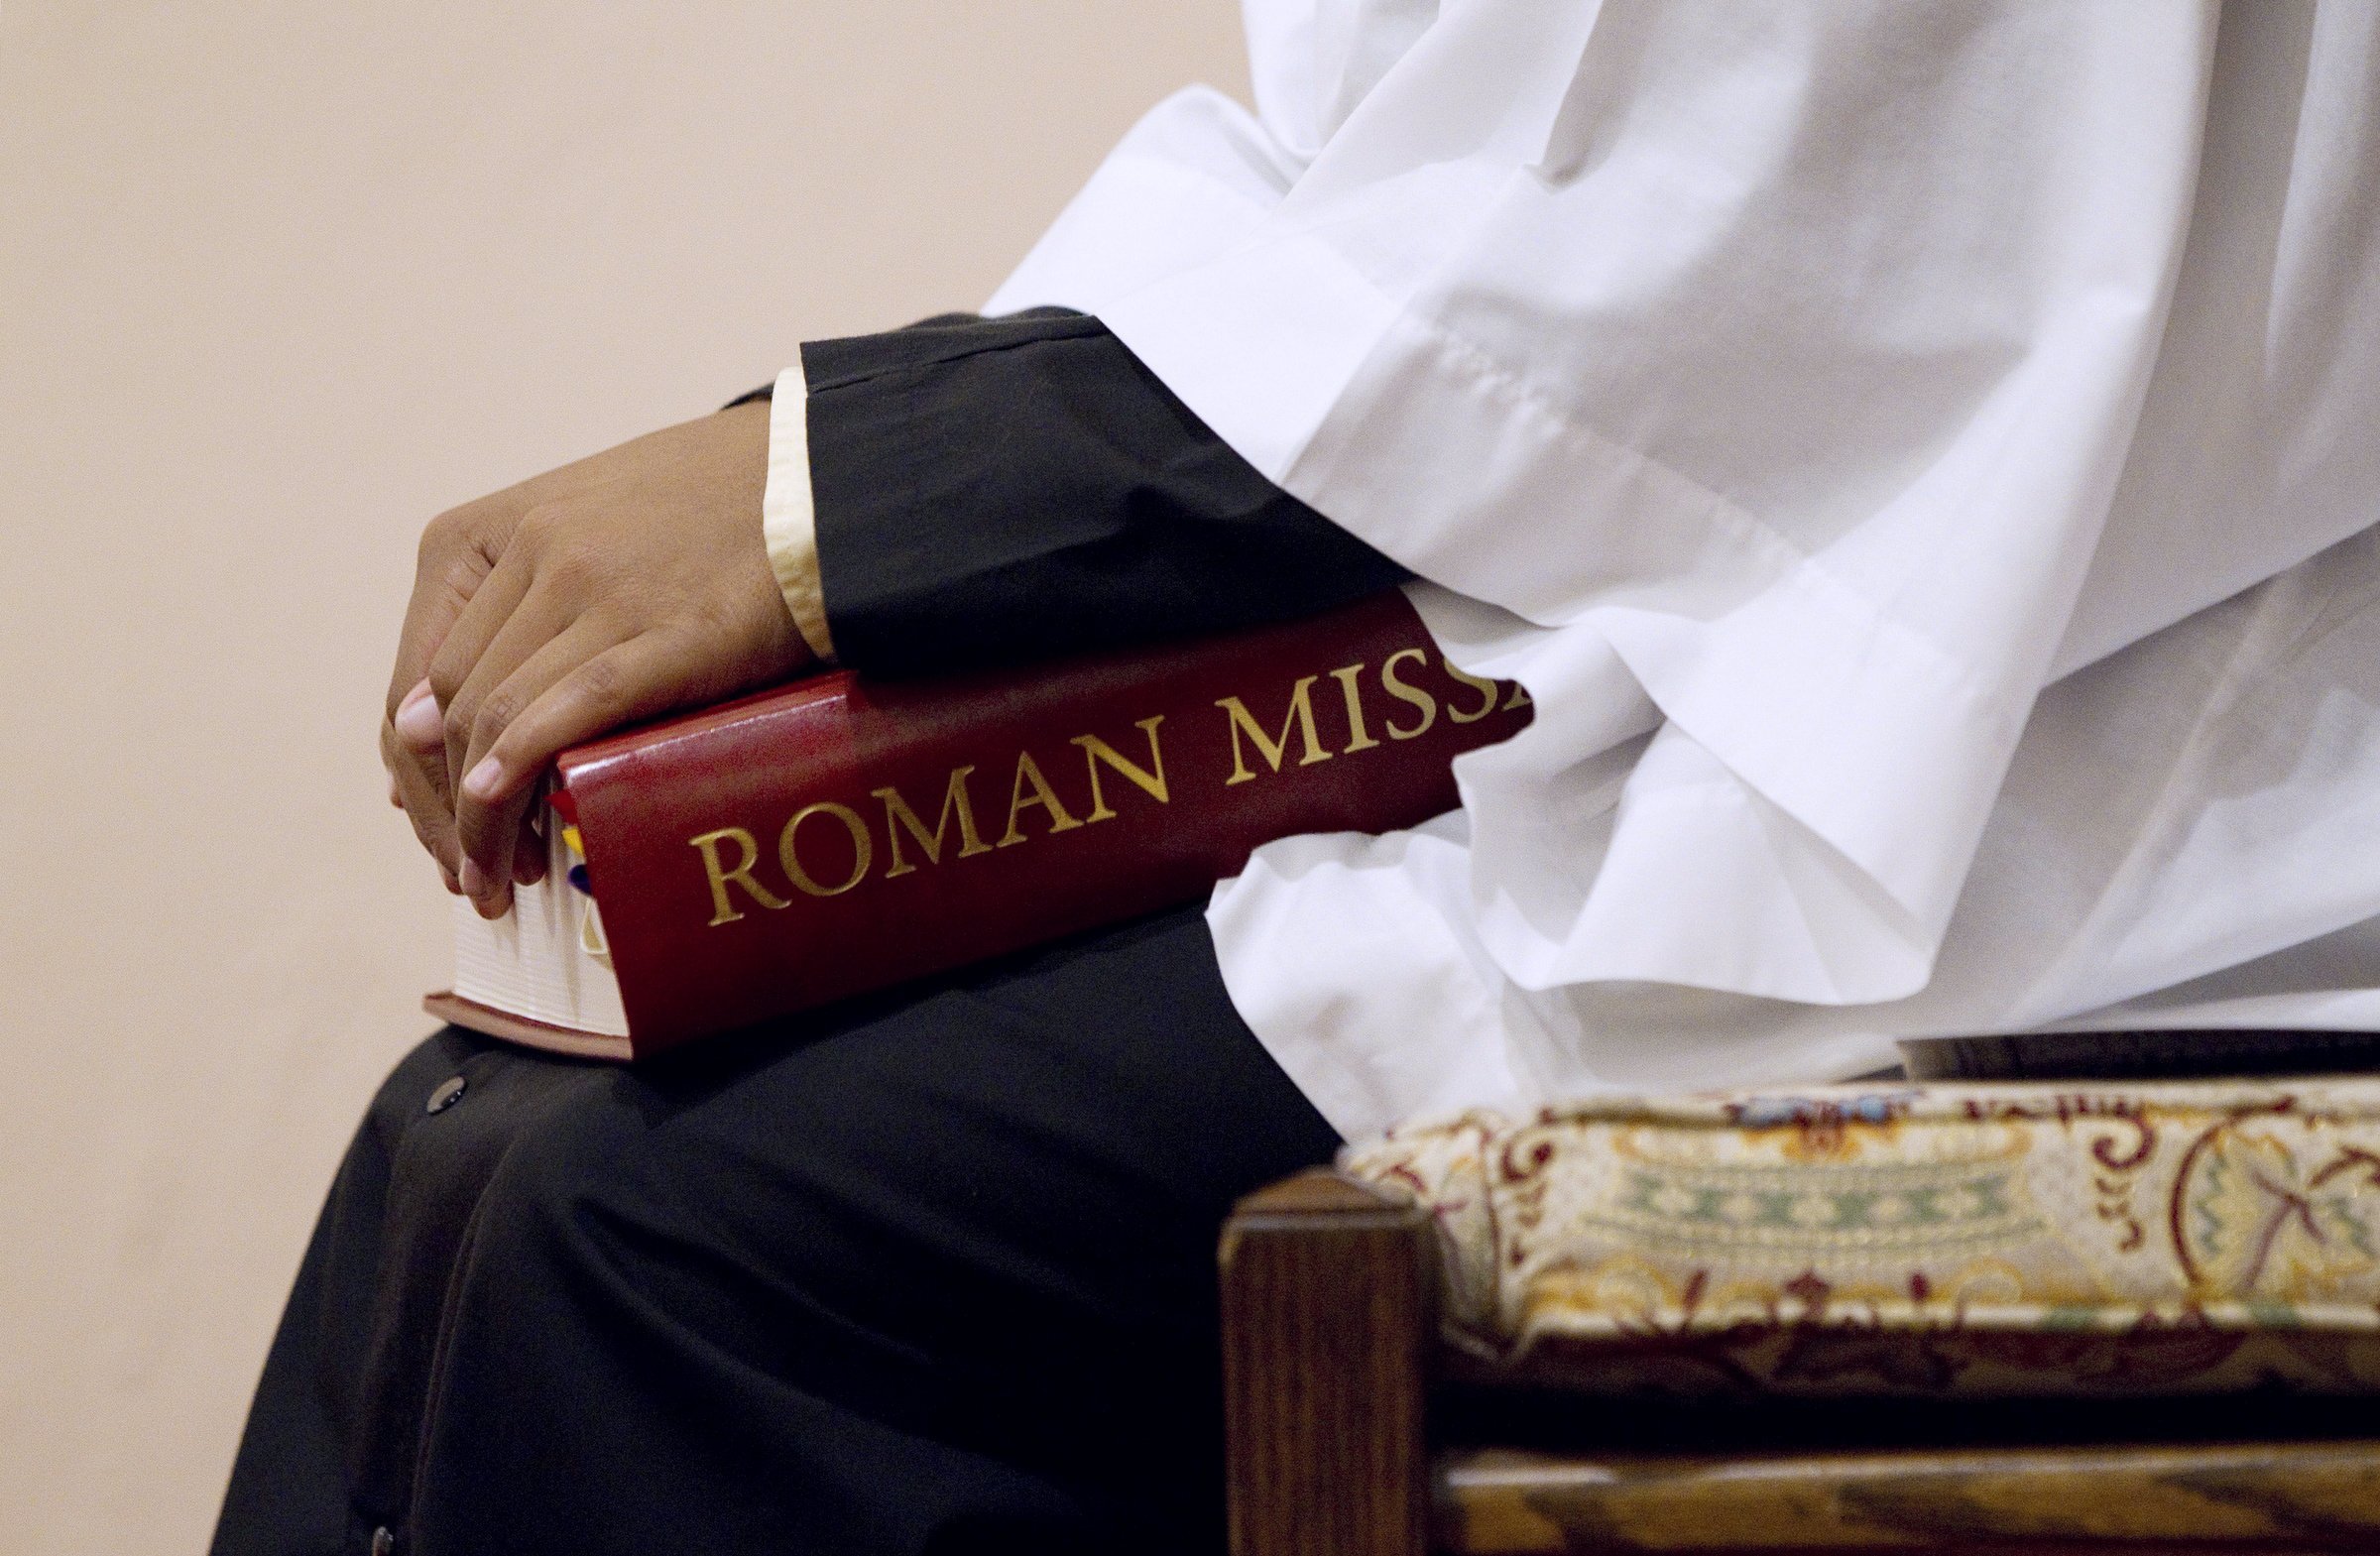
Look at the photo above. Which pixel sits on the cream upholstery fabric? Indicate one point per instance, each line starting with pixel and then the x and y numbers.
pixel 1976 1239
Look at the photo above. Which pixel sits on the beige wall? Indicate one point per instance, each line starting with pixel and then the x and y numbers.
pixel 278 283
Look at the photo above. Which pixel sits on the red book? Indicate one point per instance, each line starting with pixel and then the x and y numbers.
pixel 836 836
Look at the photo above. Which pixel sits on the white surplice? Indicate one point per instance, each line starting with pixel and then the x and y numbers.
pixel 1918 458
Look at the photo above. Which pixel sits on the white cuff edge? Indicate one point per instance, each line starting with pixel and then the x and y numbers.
pixel 788 516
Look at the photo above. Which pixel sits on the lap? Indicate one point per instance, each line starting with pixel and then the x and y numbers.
pixel 1048 1115
pixel 966 1230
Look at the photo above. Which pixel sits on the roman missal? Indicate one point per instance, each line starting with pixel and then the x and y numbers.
pixel 836 836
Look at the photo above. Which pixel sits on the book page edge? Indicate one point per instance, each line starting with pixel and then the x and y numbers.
pixel 447 1005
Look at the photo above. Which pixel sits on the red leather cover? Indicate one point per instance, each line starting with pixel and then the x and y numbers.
pixel 685 824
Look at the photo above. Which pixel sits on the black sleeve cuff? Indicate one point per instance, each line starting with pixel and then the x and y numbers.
pixel 993 491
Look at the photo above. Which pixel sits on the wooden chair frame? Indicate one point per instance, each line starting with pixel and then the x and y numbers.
pixel 1329 1324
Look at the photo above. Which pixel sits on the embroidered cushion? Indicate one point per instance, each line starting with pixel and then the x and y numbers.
pixel 2065 1237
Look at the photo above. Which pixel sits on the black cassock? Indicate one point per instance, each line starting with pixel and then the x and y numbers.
pixel 928 1272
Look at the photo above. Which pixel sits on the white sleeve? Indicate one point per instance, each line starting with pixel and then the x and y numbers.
pixel 1786 395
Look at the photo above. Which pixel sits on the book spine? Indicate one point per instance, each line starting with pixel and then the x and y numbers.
pixel 837 836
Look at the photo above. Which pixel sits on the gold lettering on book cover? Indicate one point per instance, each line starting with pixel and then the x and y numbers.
pixel 789 849
pixel 955 801
pixel 731 854
pixel 1029 772
pixel 1405 691
pixel 1488 692
pixel 1359 738
pixel 1300 718
pixel 747 850
pixel 1151 779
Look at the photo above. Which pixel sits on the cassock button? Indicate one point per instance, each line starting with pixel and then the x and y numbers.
pixel 449 1092
pixel 383 1542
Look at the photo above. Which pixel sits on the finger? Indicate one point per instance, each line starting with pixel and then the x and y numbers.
pixel 488 819
pixel 419 772
pixel 417 721
pixel 529 851
pixel 423 786
pixel 479 704
pixel 648 675
pixel 455 668
pixel 458 551
pixel 420 790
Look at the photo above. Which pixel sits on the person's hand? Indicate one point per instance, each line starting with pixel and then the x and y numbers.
pixel 613 589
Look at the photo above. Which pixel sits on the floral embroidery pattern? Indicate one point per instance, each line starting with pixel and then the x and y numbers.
pixel 1962 1238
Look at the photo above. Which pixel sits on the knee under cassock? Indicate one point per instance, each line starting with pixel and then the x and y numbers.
pixel 929 1272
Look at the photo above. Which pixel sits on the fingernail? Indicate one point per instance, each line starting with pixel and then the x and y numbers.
pixel 419 723
pixel 484 780
pixel 475 881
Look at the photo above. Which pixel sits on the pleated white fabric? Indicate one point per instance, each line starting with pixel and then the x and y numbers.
pixel 1857 426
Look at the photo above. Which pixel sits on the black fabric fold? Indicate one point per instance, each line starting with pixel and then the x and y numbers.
pixel 993 491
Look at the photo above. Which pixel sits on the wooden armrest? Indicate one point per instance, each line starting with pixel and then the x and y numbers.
pixel 1327 1314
